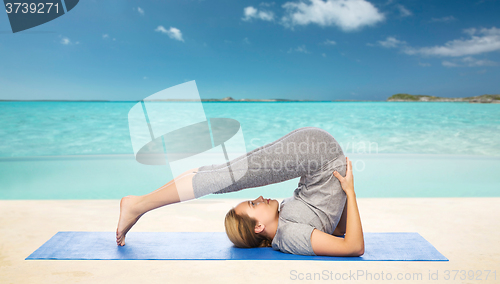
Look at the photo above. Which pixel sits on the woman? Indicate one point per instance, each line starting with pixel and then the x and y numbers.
pixel 322 208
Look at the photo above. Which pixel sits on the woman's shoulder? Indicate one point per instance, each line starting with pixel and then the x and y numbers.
pixel 292 237
pixel 295 210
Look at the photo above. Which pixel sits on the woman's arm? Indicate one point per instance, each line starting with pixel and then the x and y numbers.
pixel 340 229
pixel 353 243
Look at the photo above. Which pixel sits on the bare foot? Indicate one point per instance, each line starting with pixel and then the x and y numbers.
pixel 128 217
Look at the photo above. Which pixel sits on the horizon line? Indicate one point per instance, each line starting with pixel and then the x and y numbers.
pixel 202 100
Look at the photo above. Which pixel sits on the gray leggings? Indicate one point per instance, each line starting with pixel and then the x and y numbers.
pixel 298 153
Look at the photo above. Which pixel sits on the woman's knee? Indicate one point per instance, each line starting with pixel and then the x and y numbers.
pixel 317 141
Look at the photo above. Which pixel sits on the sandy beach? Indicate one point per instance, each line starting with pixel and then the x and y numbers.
pixel 465 230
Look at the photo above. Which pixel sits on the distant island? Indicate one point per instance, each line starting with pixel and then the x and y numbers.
pixel 230 99
pixel 425 98
pixel 226 99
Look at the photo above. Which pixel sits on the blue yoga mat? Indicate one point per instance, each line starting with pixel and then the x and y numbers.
pixel 216 246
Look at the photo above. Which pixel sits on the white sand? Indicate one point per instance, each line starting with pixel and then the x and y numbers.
pixel 465 230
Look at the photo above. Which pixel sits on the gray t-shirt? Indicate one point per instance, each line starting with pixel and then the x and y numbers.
pixel 317 203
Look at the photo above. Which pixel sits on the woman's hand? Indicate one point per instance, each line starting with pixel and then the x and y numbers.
pixel 346 182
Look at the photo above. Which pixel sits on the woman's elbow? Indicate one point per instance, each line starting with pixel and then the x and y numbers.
pixel 359 251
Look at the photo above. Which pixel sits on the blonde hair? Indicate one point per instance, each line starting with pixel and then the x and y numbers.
pixel 240 231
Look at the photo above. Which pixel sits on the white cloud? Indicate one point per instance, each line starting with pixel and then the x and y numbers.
pixel 329 42
pixel 267 4
pixel 349 15
pixel 65 41
pixel 480 41
pixel 105 36
pixel 252 13
pixel 322 54
pixel 140 10
pixel 404 12
pixel 391 42
pixel 449 64
pixel 446 19
pixel 301 48
pixel 249 12
pixel 173 33
pixel 245 40
pixel 470 31
pixel 469 62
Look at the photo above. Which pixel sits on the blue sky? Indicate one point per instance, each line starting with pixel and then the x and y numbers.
pixel 310 49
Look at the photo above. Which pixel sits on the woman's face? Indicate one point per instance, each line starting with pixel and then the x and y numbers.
pixel 265 211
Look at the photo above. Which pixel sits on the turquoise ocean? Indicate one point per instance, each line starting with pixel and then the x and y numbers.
pixel 83 150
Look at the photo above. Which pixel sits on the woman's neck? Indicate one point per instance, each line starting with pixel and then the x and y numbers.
pixel 272 228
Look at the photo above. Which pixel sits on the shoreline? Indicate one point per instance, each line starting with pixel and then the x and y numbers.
pixel 114 176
